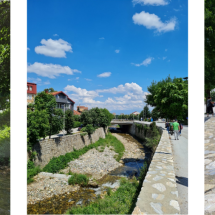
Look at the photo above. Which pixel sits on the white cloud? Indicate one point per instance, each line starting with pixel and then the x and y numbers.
pixel 146 62
pixel 53 48
pixel 50 70
pixel 165 50
pixel 128 87
pixel 152 21
pixel 164 58
pixel 150 2
pixel 34 80
pixel 73 79
pixel 117 51
pixel 133 97
pixel 38 81
pixel 47 82
pixel 101 38
pixel 88 79
pixel 28 49
pixel 104 75
pixel 55 35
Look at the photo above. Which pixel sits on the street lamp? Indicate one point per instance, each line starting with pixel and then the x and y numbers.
pixel 185 78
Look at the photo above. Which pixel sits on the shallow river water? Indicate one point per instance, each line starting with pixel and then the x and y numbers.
pixel 60 203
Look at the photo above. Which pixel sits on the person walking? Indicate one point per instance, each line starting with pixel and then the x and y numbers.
pixel 176 129
pixel 210 106
pixel 167 125
pixel 180 126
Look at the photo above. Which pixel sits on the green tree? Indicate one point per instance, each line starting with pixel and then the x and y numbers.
pixel 86 118
pixel 37 126
pixel 45 101
pixel 213 95
pixel 109 115
pixel 145 113
pixel 56 121
pixel 155 114
pixel 77 118
pixel 4 53
pixel 49 90
pixel 69 120
pixel 209 46
pixel 170 96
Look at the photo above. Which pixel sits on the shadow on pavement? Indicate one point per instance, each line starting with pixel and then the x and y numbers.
pixel 182 180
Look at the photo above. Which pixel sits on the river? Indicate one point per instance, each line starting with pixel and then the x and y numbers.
pixel 59 204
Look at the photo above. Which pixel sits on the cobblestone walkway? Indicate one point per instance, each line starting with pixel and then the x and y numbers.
pixel 159 194
pixel 210 166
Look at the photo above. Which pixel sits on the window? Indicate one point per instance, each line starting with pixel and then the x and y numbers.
pixel 29 96
pixel 27 87
pixel 30 88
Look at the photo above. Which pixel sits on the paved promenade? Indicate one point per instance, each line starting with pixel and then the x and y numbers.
pixel 159 193
pixel 180 159
pixel 210 166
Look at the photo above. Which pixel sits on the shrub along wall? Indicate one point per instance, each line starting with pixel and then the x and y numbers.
pixel 49 148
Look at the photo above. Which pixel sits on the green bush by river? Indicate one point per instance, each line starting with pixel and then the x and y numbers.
pixel 122 201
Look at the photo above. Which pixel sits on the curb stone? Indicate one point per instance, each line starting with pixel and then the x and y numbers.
pixel 159 193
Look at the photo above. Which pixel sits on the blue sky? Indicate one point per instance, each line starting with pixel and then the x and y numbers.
pixel 104 53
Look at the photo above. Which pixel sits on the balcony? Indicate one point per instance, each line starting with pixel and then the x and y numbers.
pixel 61 100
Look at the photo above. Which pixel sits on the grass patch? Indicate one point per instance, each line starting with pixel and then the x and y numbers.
pixel 32 170
pixel 58 163
pixel 120 202
pixel 78 179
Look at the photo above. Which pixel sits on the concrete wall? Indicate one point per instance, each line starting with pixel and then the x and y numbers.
pixel 49 148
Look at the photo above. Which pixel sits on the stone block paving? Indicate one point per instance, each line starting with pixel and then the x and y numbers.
pixel 159 194
pixel 210 166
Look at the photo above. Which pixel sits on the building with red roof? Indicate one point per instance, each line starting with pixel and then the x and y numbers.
pixel 63 101
pixel 31 92
pixel 76 113
pixel 80 109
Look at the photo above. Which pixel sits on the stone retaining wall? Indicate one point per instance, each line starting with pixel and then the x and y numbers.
pixel 49 148
pixel 140 133
pixel 159 194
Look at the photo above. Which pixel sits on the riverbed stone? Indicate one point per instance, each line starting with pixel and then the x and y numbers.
pixel 207 161
pixel 211 165
pixel 210 203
